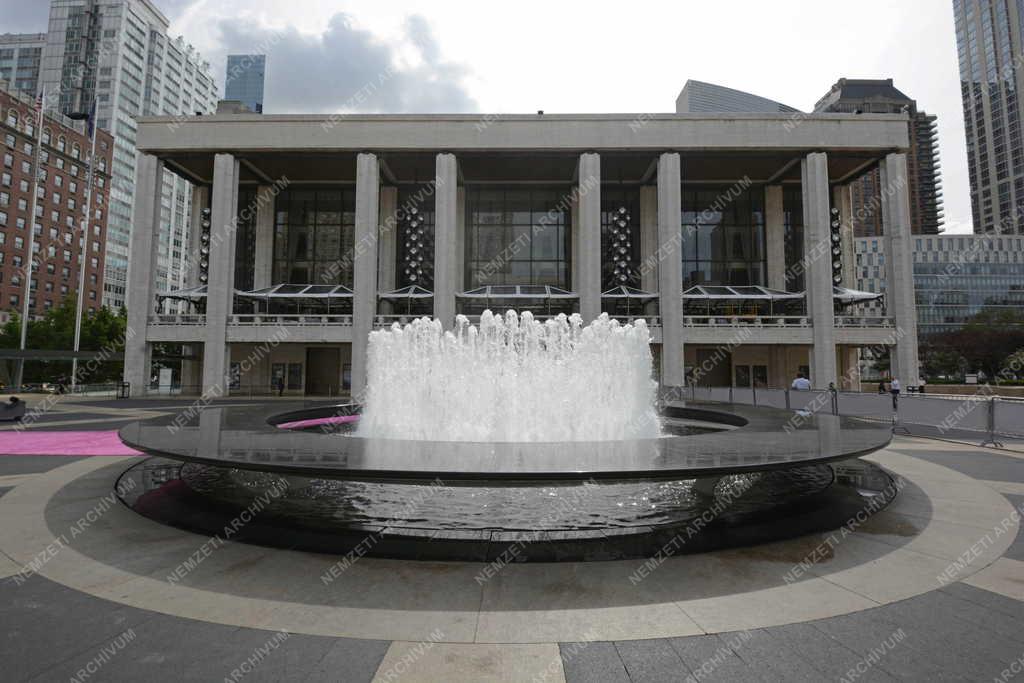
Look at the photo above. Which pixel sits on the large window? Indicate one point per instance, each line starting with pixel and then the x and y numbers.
pixel 245 238
pixel 314 236
pixel 723 236
pixel 793 220
pixel 518 236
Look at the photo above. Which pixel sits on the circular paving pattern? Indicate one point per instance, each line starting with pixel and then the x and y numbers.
pixel 67 525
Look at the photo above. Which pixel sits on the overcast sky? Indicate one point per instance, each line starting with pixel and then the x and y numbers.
pixel 472 55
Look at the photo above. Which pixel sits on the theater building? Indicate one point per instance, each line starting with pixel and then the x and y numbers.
pixel 729 233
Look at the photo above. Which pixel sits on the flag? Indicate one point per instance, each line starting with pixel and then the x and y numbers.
pixel 39 102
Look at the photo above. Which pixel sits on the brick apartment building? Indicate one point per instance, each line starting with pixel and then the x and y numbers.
pixel 56 246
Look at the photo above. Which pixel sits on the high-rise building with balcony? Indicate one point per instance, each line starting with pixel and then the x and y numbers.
pixel 244 80
pixel 880 96
pixel 117 53
pixel 990 38
pixel 20 54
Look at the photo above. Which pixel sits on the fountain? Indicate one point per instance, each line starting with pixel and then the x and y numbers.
pixel 512 379
pixel 542 437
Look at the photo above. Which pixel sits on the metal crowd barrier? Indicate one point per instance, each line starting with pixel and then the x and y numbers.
pixel 982 417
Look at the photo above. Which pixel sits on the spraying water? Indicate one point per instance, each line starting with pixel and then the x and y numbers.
pixel 511 379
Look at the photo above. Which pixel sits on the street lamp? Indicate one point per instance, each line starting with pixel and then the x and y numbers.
pixel 84 233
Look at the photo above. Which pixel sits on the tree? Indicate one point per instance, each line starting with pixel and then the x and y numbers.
pixel 988 338
pixel 102 330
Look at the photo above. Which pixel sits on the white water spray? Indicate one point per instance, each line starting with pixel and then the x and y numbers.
pixel 511 379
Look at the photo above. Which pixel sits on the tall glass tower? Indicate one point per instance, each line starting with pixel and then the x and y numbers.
pixel 989 36
pixel 118 54
pixel 244 80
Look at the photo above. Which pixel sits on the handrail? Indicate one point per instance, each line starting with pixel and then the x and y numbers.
pixel 288 320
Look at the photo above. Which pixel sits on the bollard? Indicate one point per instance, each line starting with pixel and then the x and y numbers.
pixel 788 407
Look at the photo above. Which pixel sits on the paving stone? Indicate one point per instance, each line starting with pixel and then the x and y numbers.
pixel 1016 549
pixel 596 662
pixel 32 464
pixel 712 658
pixel 826 654
pixel 776 660
pixel 871 631
pixel 987 599
pixel 980 464
pixel 350 659
pixel 651 661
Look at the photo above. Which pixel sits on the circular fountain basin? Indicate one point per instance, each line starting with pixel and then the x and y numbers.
pixel 724 476
pixel 751 440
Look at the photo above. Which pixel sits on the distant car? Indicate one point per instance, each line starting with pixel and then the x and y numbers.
pixel 48 388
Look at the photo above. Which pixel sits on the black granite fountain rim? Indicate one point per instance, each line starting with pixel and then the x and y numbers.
pixel 247 438
pixel 817 513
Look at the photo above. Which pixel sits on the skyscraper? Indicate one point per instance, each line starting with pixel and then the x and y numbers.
pixel 989 42
pixel 244 80
pixel 118 54
pixel 698 97
pixel 880 96
pixel 20 54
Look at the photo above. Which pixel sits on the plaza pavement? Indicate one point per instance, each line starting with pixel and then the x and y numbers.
pixel 925 590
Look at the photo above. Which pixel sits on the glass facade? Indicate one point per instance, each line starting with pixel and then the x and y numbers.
pixel 245 239
pixel 723 236
pixel 314 236
pixel 244 80
pixel 518 236
pixel 955 277
pixel 793 220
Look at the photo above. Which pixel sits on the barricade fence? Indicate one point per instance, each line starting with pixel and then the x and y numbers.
pixel 982 417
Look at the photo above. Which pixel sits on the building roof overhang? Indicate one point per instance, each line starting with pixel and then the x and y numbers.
pixel 717 148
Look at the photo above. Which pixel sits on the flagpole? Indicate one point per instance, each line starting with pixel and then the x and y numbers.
pixel 27 289
pixel 83 241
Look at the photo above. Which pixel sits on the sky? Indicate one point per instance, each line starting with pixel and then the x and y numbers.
pixel 576 56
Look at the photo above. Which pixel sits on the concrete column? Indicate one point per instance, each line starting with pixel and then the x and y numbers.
pixel 574 240
pixel 220 294
pixel 387 243
pixel 588 259
pixel 649 238
pixel 263 266
pixel 818 264
pixel 670 270
pixel 364 303
pixel 899 267
pixel 200 200
pixel 445 230
pixel 460 240
pixel 141 266
pixel 775 236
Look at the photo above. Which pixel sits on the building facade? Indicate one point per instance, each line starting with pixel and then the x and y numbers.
pixel 698 97
pixel 990 38
pixel 57 243
pixel 244 79
pixel 880 96
pixel 955 276
pixel 117 54
pixel 20 56
pixel 316 230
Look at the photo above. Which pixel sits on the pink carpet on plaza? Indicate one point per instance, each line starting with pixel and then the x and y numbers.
pixel 32 442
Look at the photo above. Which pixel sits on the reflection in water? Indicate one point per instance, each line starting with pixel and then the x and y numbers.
pixel 588 505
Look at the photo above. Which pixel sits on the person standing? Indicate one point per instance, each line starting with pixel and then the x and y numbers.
pixel 801 383
pixel 894 389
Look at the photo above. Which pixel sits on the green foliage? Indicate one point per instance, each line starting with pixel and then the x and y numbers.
pixel 987 342
pixel 101 330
